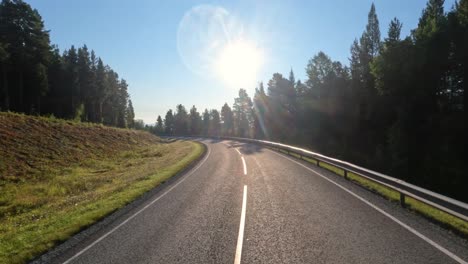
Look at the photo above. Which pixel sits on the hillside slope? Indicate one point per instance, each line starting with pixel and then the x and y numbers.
pixel 58 176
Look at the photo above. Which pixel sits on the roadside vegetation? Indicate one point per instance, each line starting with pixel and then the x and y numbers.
pixel 454 223
pixel 398 106
pixel 58 177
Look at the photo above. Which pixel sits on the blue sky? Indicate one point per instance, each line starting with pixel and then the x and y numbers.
pixel 146 44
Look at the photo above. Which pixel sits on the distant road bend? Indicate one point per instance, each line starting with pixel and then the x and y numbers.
pixel 246 204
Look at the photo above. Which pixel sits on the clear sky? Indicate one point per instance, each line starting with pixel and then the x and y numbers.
pixel 195 52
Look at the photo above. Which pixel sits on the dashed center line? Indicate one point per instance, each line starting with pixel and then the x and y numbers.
pixel 238 152
pixel 245 166
pixel 240 238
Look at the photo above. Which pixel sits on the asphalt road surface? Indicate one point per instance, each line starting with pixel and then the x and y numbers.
pixel 246 204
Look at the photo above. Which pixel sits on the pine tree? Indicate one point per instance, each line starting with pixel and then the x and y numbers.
pixel 169 123
pixel 102 90
pixel 195 121
pixel 292 79
pixel 159 126
pixel 215 123
pixel 394 31
pixel 181 121
pixel 122 104
pixel 260 110
pixel 206 122
pixel 27 44
pixel 70 58
pixel 4 92
pixel 227 119
pixel 243 115
pixel 130 115
pixel 372 33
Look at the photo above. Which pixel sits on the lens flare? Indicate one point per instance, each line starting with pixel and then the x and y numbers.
pixel 213 44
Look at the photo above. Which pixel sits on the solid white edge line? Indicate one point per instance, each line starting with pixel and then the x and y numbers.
pixel 423 237
pixel 240 238
pixel 245 166
pixel 139 211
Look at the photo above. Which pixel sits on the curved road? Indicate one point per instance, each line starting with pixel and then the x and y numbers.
pixel 247 204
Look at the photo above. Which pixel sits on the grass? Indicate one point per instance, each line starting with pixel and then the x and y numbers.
pixel 58 177
pixel 454 223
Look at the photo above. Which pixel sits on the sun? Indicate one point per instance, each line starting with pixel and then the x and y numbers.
pixel 238 63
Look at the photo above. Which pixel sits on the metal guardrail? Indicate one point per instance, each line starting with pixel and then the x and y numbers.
pixel 441 202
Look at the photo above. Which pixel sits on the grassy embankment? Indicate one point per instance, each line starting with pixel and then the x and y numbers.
pixel 458 225
pixel 58 177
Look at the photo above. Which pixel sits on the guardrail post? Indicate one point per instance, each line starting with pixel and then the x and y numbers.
pixel 345 174
pixel 402 200
pixel 318 163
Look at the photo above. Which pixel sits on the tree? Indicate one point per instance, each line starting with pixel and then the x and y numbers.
pixel 102 89
pixel 195 121
pixel 139 124
pixel 84 89
pixel 215 123
pixel 4 92
pixel 27 44
pixel 319 70
pixel 206 122
pixel 227 119
pixel 159 126
pixel 169 123
pixel 260 110
pixel 281 107
pixel 130 115
pixel 242 114
pixel 300 88
pixel 371 37
pixel 399 106
pixel 181 120
pixel 37 79
pixel 394 31
pixel 122 104
pixel 70 58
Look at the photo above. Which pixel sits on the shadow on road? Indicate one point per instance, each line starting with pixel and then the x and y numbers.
pixel 246 148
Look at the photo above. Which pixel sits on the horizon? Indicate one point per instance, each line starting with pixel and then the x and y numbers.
pixel 150 58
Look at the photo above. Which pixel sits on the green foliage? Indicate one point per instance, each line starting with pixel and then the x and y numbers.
pixel 36 79
pixel 92 171
pixel 79 114
pixel 227 119
pixel 169 123
pixel 399 108
pixel 181 121
pixel 159 130
pixel 215 123
pixel 242 110
pixel 130 115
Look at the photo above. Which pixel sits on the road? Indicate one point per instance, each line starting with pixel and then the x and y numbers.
pixel 247 204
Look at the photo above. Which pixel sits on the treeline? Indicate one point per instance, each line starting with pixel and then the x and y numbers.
pixel 37 79
pixel 398 108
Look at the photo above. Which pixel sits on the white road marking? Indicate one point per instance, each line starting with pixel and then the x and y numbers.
pixel 240 238
pixel 238 152
pixel 245 166
pixel 423 237
pixel 139 211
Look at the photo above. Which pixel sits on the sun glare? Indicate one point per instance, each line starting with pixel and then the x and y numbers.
pixel 238 63
pixel 214 43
